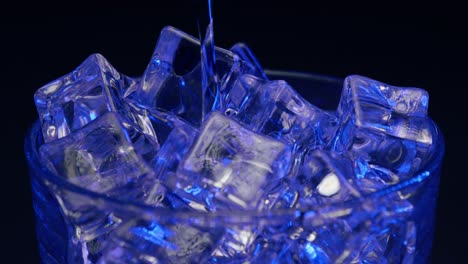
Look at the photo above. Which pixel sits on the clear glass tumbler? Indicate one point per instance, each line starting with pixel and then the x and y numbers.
pixel 393 225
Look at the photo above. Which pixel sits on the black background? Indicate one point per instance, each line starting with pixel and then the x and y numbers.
pixel 409 45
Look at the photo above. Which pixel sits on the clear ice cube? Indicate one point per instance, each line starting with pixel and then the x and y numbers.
pixel 88 219
pixel 164 123
pixel 228 165
pixel 310 253
pixel 165 243
pixel 391 242
pixel 236 243
pixel 173 150
pixel 173 79
pixel 335 243
pixel 273 108
pixel 388 124
pixel 325 178
pixel 100 157
pixel 78 98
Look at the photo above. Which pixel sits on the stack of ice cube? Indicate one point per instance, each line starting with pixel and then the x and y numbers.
pixel 209 137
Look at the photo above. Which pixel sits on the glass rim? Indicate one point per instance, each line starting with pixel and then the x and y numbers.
pixel 429 171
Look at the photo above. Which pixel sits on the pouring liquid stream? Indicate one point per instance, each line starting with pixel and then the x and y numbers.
pixel 211 98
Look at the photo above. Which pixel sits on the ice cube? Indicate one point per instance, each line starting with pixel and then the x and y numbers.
pixel 328 177
pixel 78 98
pixel 165 242
pixel 164 123
pixel 173 150
pixel 228 165
pixel 236 243
pixel 88 220
pixel 273 108
pixel 391 243
pixel 246 54
pixel 334 243
pixel 174 135
pixel 387 123
pixel 100 157
pixel 325 178
pixel 375 247
pixel 358 232
pixel 307 252
pixel 273 252
pixel 173 79
pixel 368 178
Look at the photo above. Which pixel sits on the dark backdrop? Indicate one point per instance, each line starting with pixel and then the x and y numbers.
pixel 406 45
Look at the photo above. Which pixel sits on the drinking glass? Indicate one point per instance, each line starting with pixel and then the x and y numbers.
pixel 393 225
